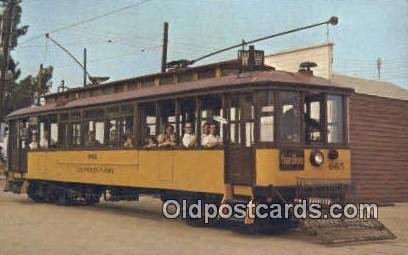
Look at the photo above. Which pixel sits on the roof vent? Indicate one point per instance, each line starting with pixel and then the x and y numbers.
pixel 305 68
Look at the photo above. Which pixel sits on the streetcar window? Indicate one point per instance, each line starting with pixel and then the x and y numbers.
pixel 167 123
pixel 234 120
pixel 266 116
pixel 54 134
pixel 76 134
pixel 167 116
pixel 113 131
pixel 290 117
pixel 335 123
pixel 95 133
pixel 126 132
pixel 188 115
pixel 62 134
pixel 248 116
pixel 44 129
pixel 212 113
pixel 312 118
pixel 149 119
pixel 23 134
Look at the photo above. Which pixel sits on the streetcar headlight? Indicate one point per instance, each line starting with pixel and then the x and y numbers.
pixel 316 158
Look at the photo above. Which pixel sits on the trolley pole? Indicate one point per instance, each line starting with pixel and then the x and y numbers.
pixel 40 85
pixel 165 43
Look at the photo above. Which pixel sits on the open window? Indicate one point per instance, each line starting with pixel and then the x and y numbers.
pixel 188 123
pixel 290 117
pixel 167 115
pixel 213 120
pixel 63 130
pixel 44 132
pixel 76 129
pixel 167 124
pixel 313 118
pixel 188 109
pixel 149 125
pixel 94 128
pixel 54 132
pixel 127 137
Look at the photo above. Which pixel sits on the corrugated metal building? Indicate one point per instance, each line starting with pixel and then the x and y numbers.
pixel 378 126
pixel 379 139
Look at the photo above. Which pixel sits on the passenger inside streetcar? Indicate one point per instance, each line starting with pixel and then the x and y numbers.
pixel 205 132
pixel 44 141
pixel 92 139
pixel 212 139
pixel 113 139
pixel 33 145
pixel 168 138
pixel 149 141
pixel 189 139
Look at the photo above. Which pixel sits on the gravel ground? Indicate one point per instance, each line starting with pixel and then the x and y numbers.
pixel 139 228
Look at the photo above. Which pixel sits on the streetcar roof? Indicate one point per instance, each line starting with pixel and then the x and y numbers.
pixel 231 81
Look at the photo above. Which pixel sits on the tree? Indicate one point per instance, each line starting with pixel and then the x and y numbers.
pixel 10 18
pixel 23 93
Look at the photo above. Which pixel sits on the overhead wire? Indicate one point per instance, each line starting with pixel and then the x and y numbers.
pixel 87 20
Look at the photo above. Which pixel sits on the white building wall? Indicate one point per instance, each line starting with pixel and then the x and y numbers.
pixel 290 60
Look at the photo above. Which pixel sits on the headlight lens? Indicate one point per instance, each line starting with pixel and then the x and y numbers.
pixel 317 158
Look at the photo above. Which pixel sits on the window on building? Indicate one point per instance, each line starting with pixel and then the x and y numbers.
pixel 335 115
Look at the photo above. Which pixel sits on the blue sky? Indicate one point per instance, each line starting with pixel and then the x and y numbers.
pixel 128 43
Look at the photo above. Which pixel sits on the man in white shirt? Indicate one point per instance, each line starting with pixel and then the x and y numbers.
pixel 44 141
pixel 212 140
pixel 33 145
pixel 189 139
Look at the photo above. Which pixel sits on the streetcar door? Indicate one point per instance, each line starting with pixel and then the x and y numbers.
pixel 13 146
pixel 239 150
pixel 18 150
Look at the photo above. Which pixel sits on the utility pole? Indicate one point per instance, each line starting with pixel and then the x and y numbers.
pixel 165 43
pixel 40 83
pixel 84 67
pixel 379 63
pixel 6 23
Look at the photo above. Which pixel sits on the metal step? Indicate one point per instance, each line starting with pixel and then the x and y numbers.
pixel 338 231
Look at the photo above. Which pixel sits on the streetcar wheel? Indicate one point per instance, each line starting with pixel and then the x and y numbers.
pixel 34 193
pixel 92 199
pixel 63 198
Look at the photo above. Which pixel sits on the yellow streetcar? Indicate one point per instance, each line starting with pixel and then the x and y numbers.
pixel 220 132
